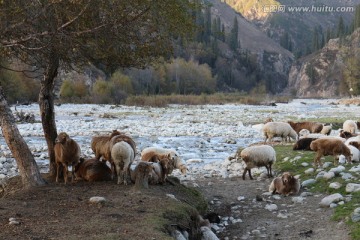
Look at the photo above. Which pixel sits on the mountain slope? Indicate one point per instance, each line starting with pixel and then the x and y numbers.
pixel 273 60
pixel 330 72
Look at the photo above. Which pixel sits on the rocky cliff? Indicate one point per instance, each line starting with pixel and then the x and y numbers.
pixel 323 74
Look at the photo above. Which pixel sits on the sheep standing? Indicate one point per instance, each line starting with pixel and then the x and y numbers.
pixel 257 156
pixel 326 147
pixel 148 153
pixel 100 145
pixel 92 170
pixel 67 152
pixel 313 127
pixel 350 126
pixel 122 155
pixel 285 185
pixel 278 129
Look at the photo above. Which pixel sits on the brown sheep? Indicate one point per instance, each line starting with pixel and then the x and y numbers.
pixel 148 153
pixel 92 170
pixel 326 147
pixel 313 127
pixel 355 144
pixel 100 145
pixel 67 152
pixel 285 185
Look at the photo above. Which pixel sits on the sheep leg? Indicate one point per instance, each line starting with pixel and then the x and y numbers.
pixel 119 174
pixel 72 172
pixel 65 167
pixel 317 160
pixel 244 173
pixel 336 160
pixel 126 171
pixel 249 170
pixel 57 172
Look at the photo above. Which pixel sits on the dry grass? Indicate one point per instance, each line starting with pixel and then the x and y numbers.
pixel 217 98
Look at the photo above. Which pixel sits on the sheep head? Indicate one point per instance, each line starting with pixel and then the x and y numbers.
pixel 62 138
pixel 286 178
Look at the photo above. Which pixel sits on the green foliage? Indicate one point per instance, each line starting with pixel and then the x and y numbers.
pixel 234 35
pixel 18 88
pixel 101 91
pixel 74 91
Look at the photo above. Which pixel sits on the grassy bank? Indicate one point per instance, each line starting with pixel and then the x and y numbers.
pixel 290 160
pixel 217 98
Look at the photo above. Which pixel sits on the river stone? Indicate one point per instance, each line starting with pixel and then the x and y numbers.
pixel 304 164
pixel 355 216
pixel 97 200
pixel 352 187
pixel 355 169
pixel 329 175
pixel 333 198
pixel 309 171
pixel 337 169
pixel 297 199
pixel 327 164
pixel 346 176
pixel 271 207
pixel 335 185
pixel 308 182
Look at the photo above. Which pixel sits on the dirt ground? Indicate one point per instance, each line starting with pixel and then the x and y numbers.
pixel 56 211
pixel 304 220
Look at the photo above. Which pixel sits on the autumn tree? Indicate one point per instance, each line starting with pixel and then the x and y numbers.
pixel 49 35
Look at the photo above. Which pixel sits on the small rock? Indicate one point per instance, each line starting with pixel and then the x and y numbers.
pixel 309 170
pixel 306 194
pixel 97 200
pixel 271 207
pixel 281 215
pixel 304 164
pixel 346 176
pixel 308 182
pixel 335 185
pixel 240 198
pixel 14 223
pixel 352 187
pixel 355 216
pixel 333 198
pixel 297 199
pixel 337 170
pixel 329 175
pixel 327 164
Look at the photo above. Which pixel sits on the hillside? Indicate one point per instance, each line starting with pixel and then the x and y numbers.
pixel 298 24
pixel 322 74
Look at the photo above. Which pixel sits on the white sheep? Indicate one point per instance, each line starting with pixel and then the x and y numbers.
pixel 257 156
pixel 279 129
pixel 304 133
pixel 148 153
pixel 326 129
pixel 122 155
pixel 350 126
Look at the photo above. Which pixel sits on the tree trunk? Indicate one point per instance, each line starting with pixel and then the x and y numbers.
pixel 47 112
pixel 29 171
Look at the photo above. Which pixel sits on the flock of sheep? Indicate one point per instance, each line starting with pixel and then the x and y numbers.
pixel 313 136
pixel 120 150
pixel 157 163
